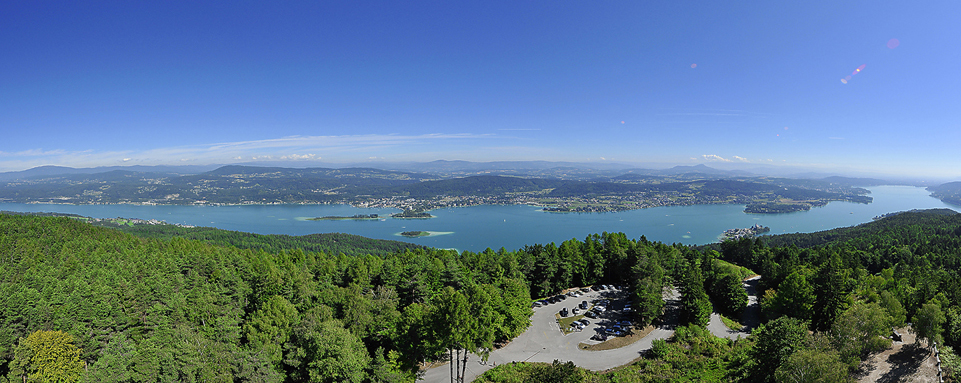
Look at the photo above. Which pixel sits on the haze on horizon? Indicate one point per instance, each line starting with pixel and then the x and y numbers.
pixel 860 87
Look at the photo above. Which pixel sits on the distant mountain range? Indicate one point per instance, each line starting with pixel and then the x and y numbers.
pixel 240 183
pixel 441 168
pixel 53 171
pixel 568 188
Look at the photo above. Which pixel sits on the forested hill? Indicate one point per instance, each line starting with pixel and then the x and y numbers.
pixel 949 192
pixel 475 185
pixel 118 307
pixel 824 308
pixel 916 220
pixel 330 243
pixel 115 307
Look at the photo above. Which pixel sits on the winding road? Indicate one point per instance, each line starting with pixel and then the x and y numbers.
pixel 750 318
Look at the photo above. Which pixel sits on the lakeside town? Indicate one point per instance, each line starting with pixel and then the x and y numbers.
pixel 749 232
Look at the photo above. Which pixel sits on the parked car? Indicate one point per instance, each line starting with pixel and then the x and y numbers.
pixel 537 304
pixel 583 305
pixel 590 314
pixel 585 322
pixel 599 336
pixel 585 290
pixel 600 309
pixel 576 311
pixel 563 312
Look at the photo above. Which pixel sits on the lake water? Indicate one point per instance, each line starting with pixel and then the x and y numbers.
pixel 479 227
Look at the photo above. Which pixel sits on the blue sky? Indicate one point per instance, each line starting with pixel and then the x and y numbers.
pixel 753 83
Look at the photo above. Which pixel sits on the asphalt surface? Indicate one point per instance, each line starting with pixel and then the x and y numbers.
pixel 750 317
pixel 544 342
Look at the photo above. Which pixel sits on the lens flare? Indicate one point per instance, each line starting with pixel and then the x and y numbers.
pixel 856 71
pixel 693 66
pixel 893 43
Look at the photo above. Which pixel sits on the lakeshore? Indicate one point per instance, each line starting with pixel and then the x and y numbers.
pixel 748 232
pixel 476 228
pixel 357 217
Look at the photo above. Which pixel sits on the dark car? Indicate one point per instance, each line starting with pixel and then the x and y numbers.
pixel 563 312
pixel 583 305
pixel 599 336
pixel 590 314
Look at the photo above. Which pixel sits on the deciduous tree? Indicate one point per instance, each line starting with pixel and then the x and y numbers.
pixel 47 356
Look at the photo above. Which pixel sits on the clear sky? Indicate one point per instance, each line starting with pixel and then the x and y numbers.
pixel 100 83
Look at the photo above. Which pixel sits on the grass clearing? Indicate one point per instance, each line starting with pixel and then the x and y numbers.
pixel 565 323
pixel 731 324
pixel 617 342
pixel 730 268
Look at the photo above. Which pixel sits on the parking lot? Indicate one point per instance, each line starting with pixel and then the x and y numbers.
pixel 544 341
pixel 599 312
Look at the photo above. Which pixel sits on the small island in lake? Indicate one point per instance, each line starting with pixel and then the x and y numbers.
pixel 337 218
pixel 414 234
pixel 412 214
pixel 749 232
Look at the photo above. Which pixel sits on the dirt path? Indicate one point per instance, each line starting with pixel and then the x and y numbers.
pixel 903 362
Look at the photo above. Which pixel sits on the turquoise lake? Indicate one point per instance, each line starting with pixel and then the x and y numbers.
pixel 479 227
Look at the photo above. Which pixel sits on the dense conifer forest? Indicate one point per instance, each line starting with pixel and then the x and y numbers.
pixel 86 303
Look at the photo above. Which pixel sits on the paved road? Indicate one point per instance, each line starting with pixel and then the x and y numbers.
pixel 543 342
pixel 750 317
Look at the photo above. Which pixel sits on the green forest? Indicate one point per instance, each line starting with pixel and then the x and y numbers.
pixel 85 303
